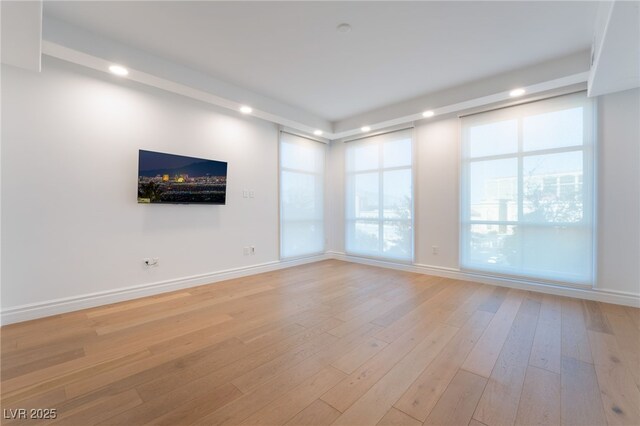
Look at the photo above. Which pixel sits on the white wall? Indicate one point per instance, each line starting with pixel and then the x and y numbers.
pixel 70 220
pixel 437 193
pixel 335 197
pixel 619 192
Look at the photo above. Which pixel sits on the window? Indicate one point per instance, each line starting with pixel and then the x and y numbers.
pixel 527 190
pixel 379 196
pixel 301 196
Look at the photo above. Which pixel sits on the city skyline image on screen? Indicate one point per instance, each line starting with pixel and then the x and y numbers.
pixel 178 179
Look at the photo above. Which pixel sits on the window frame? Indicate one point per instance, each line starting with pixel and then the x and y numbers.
pixel 322 175
pixel 589 185
pixel 380 220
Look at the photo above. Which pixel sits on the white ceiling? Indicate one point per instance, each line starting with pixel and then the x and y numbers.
pixel 291 51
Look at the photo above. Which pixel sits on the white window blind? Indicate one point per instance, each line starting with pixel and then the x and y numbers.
pixel 301 196
pixel 527 196
pixel 379 196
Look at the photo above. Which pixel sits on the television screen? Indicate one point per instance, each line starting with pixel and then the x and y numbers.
pixel 176 179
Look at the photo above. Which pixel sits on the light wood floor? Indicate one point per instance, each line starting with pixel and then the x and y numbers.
pixel 331 343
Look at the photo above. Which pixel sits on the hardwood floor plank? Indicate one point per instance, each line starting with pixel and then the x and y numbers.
pixel 547 344
pixel 501 396
pixel 425 292
pixel 628 339
pixel 540 400
pixel 150 367
pixel 271 331
pixel 265 372
pixel 634 314
pixel 494 300
pixel 461 315
pixel 575 342
pixel 485 353
pixel 579 394
pixel 101 409
pixel 238 410
pixel 426 390
pixel 595 319
pixel 611 309
pixel 620 396
pixel 459 400
pixel 370 314
pixel 431 307
pixel 293 402
pixel 358 356
pixel 175 406
pixel 59 358
pixel 358 382
pixel 318 413
pixel 198 407
pixel 460 292
pixel 223 369
pixel 41 381
pixel 144 335
pixel 137 303
pixel 34 355
pixel 395 417
pixel 361 309
pixel 371 407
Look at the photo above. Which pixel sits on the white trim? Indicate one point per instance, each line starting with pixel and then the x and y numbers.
pixel 399 128
pixel 295 132
pixel 470 104
pixel 80 58
pixel 271 113
pixel 75 303
pixel 616 297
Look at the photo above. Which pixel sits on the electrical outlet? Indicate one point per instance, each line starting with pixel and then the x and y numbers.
pixel 245 193
pixel 253 250
pixel 252 193
pixel 247 251
pixel 435 249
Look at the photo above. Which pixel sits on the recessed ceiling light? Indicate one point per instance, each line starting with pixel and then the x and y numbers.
pixel 118 70
pixel 428 114
pixel 365 128
pixel 245 109
pixel 317 132
pixel 343 28
pixel 517 92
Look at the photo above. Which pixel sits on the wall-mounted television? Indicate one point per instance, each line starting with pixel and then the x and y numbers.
pixel 176 179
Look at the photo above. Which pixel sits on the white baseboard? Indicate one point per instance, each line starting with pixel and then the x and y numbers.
pixel 75 303
pixel 69 304
pixel 616 297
